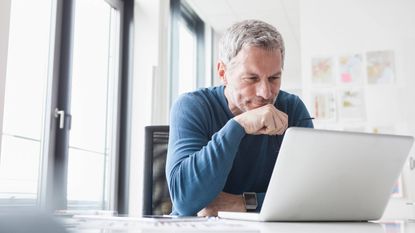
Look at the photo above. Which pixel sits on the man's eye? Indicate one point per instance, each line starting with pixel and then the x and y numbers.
pixel 251 79
pixel 273 78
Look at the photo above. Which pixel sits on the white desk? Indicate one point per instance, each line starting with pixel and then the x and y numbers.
pixel 125 225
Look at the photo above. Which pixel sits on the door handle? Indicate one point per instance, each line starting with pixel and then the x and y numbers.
pixel 61 115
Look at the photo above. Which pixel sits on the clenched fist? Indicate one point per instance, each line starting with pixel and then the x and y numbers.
pixel 263 120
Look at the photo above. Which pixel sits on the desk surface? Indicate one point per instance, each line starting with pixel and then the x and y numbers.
pixel 126 225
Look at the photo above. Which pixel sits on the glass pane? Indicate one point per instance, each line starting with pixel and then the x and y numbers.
pixel 94 82
pixel 187 59
pixel 85 179
pixel 90 75
pixel 19 168
pixel 26 82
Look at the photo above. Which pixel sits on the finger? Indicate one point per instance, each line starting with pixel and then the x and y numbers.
pixel 279 120
pixel 282 122
pixel 269 123
pixel 280 126
pixel 206 212
pixel 275 124
pixel 274 112
pixel 261 131
pixel 201 213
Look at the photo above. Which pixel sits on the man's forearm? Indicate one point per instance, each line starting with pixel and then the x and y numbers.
pixel 224 202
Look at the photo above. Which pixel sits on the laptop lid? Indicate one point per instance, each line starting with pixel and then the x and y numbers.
pixel 326 175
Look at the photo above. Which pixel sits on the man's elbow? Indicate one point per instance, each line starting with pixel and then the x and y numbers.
pixel 186 198
pixel 184 204
pixel 184 208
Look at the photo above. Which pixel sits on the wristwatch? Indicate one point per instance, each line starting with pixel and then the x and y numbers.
pixel 250 201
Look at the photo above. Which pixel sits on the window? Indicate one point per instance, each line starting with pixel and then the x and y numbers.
pixel 188 54
pixel 187 59
pixel 93 105
pixel 63 104
pixel 25 99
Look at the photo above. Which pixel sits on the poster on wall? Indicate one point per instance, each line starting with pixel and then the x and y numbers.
pixel 352 104
pixel 397 188
pixel 322 71
pixel 323 105
pixel 396 226
pixel 380 67
pixel 351 69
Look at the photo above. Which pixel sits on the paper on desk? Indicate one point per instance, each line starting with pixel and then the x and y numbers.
pixel 153 218
pixel 161 224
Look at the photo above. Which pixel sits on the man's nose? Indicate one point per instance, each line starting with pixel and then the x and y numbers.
pixel 264 90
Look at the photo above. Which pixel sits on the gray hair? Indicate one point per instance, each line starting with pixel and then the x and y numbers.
pixel 249 33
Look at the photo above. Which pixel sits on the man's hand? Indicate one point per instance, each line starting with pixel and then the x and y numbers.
pixel 263 120
pixel 224 202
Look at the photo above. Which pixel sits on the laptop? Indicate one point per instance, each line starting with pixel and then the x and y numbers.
pixel 326 175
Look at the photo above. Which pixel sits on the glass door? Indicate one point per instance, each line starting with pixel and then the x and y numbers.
pixel 93 104
pixel 25 99
pixel 59 138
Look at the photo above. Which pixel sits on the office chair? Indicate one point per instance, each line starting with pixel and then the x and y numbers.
pixel 156 198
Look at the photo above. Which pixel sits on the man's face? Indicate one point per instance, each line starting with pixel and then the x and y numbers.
pixel 252 79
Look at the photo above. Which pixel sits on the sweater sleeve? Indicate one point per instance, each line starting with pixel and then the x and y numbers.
pixel 298 116
pixel 301 116
pixel 198 165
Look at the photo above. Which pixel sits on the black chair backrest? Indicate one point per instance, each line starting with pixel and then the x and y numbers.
pixel 156 198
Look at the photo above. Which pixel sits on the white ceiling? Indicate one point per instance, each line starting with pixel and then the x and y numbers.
pixel 220 14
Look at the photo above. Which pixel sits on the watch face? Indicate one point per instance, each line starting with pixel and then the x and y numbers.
pixel 250 201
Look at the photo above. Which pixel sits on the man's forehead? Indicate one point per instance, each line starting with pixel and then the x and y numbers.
pixel 248 51
pixel 255 59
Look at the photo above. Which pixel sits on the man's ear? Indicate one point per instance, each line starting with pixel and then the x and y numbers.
pixel 221 68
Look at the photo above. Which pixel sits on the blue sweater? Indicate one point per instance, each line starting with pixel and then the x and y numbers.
pixel 209 152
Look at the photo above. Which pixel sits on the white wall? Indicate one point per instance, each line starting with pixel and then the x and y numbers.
pixel 333 28
pixel 4 38
pixel 150 85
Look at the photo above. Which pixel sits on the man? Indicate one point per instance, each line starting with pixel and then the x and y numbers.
pixel 224 140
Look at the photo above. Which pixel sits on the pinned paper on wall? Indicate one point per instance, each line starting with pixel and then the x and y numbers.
pixel 396 226
pixel 397 188
pixel 380 67
pixel 322 71
pixel 323 105
pixel 352 104
pixel 351 69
